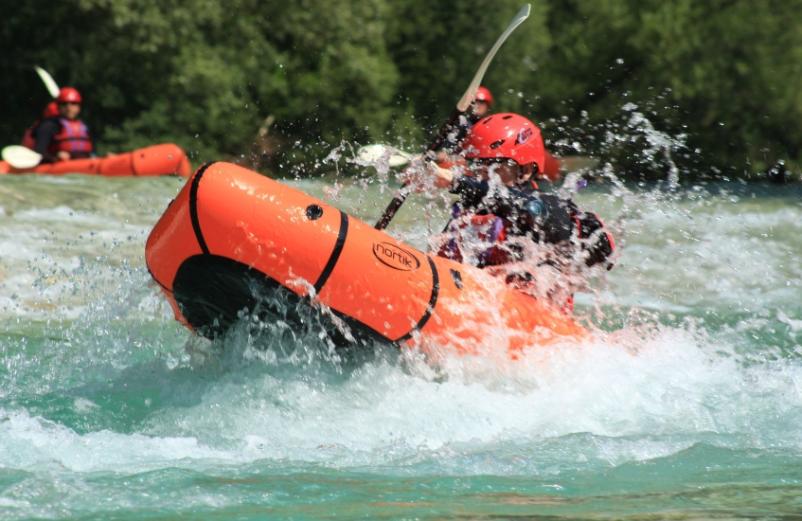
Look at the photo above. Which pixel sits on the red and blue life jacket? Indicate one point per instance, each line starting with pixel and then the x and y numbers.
pixel 481 239
pixel 73 138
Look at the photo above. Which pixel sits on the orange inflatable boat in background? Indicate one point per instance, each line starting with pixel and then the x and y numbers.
pixel 234 240
pixel 164 159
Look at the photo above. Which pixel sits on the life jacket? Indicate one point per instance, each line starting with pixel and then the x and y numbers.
pixel 483 240
pixel 482 228
pixel 73 138
pixel 485 234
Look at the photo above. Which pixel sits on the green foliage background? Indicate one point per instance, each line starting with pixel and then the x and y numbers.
pixel 721 76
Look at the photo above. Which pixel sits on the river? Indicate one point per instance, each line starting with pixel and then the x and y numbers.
pixel 687 405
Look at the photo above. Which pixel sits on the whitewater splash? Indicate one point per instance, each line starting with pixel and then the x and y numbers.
pixel 638 398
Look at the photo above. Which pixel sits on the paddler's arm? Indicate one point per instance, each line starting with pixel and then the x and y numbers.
pixel 44 135
pixel 475 192
pixel 422 173
pixel 93 151
pixel 554 220
pixel 472 191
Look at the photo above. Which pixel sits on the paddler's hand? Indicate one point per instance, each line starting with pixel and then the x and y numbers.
pixel 443 177
pixel 63 155
pixel 423 174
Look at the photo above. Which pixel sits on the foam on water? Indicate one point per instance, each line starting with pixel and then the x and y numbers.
pixel 35 443
pixel 638 395
pixel 730 254
pixel 62 248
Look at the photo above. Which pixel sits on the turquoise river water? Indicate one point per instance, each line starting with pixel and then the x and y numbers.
pixel 689 407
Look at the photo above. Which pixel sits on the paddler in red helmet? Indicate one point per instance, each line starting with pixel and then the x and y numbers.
pixel 480 108
pixel 481 103
pixel 499 203
pixel 64 136
pixel 477 110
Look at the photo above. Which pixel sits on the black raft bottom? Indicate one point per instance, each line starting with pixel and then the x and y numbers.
pixel 213 293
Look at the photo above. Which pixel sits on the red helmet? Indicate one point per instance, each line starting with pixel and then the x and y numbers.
pixel 506 135
pixel 484 94
pixel 51 110
pixel 68 95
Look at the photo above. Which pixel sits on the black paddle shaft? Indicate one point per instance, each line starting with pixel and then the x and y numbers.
pixel 436 144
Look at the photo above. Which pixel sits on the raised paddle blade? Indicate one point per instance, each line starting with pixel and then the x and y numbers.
pixel 21 157
pixel 47 79
pixel 470 94
pixel 377 153
pixel 462 106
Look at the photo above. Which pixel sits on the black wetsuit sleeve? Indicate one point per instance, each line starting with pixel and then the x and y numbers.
pixel 43 136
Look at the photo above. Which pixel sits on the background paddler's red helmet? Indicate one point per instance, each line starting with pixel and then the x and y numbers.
pixel 506 136
pixel 484 94
pixel 68 95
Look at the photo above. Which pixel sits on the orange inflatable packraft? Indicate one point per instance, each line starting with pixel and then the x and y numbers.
pixel 233 238
pixel 164 159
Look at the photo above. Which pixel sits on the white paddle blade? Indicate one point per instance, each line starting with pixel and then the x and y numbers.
pixel 47 79
pixel 19 156
pixel 378 153
pixel 470 94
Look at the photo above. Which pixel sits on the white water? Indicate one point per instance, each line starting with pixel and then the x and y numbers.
pixel 100 340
